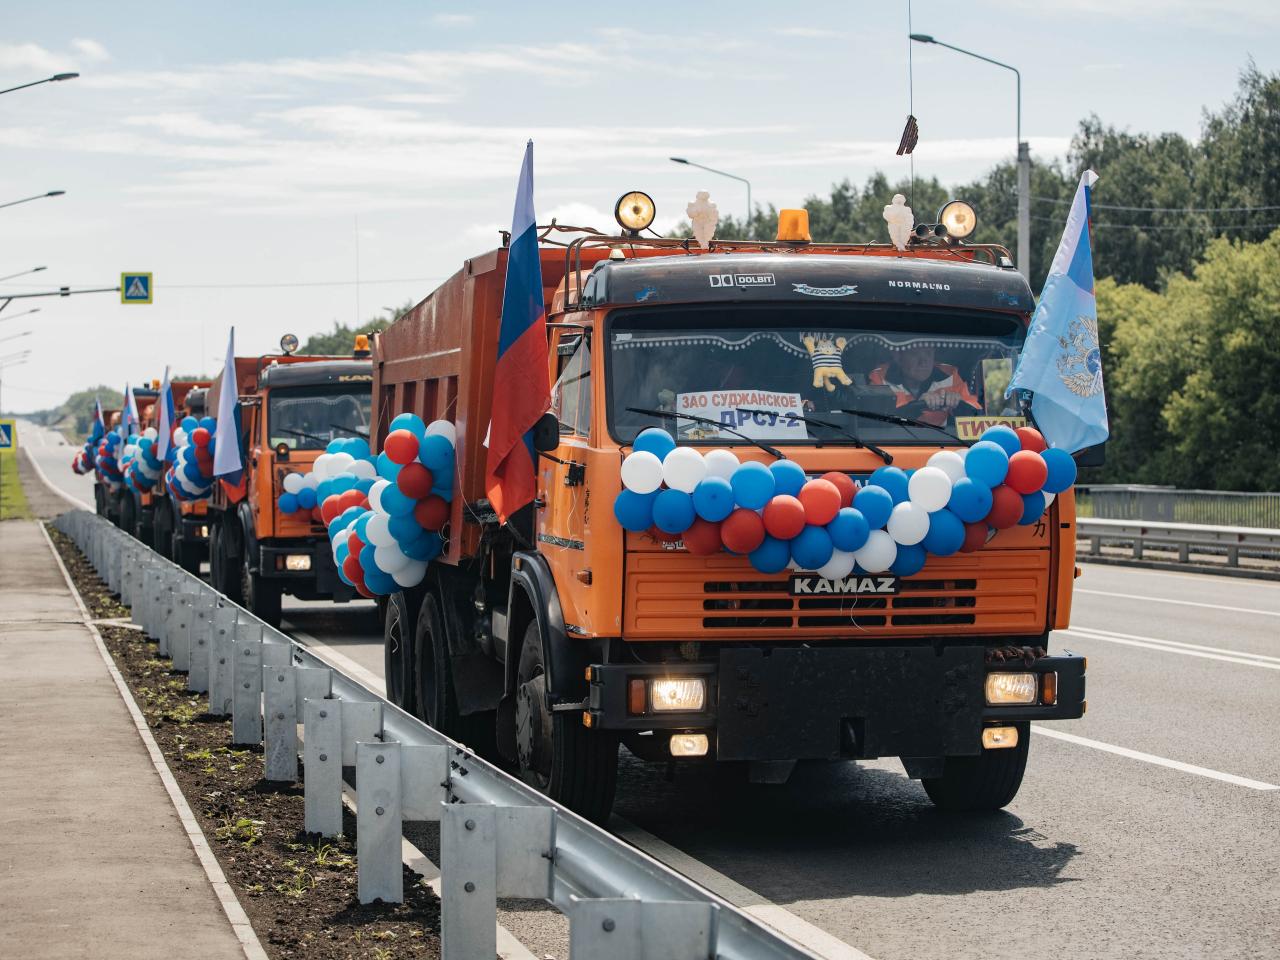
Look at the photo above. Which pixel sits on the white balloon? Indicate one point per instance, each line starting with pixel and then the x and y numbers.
pixel 378 533
pixel 340 463
pixel 838 567
pixel 721 463
pixel 445 429
pixel 320 467
pixel 363 470
pixel 878 553
pixel 180 438
pixel 1048 498
pixel 293 482
pixel 908 523
pixel 151 433
pixel 310 481
pixel 641 472
pixel 930 487
pixel 411 574
pixel 375 496
pixel 950 463
pixel 683 469
pixel 388 557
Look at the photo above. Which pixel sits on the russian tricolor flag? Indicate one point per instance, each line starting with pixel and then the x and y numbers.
pixel 521 388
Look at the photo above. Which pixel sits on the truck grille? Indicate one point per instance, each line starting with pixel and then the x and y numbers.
pixel 672 595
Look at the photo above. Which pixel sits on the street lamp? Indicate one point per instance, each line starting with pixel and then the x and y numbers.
pixel 731 176
pixel 14 316
pixel 38 196
pixel 23 273
pixel 56 78
pixel 1024 157
pixel 15 336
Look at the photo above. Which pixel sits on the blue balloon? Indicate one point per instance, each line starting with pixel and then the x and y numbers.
pixel 788 477
pixel 407 421
pixel 436 454
pixel 209 423
pixel 970 500
pixel 1062 469
pixel 654 440
pixel 367 563
pixel 192 472
pixel 812 548
pixel 336 524
pixel 388 469
pixel 713 499
pixel 288 503
pixel 365 484
pixel 144 444
pixel 376 581
pixel 946 533
pixel 404 528
pixel 987 463
pixel 1032 508
pixel 444 493
pixel 673 511
pixel 910 560
pixel 338 445
pixel 396 503
pixel 875 504
pixel 892 479
pixel 189 424
pixel 306 498
pixel 426 547
pixel 324 489
pixel 771 556
pixel 342 575
pixel 634 511
pixel 753 485
pixel 342 483
pixel 362 525
pixel 849 530
pixel 1006 437
pixel 341 552
pixel 212 446
pixel 358 447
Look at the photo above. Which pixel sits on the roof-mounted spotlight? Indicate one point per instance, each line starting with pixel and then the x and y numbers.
pixel 634 212
pixel 288 343
pixel 958 218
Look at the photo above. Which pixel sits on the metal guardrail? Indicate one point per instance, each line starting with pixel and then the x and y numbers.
pixel 1159 504
pixel 1232 541
pixel 498 836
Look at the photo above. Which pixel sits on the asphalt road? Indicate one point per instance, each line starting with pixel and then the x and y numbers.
pixel 1154 831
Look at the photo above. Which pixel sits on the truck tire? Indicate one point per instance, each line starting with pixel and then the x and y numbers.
pixel 436 701
pixel 128 514
pixel 224 566
pixel 556 753
pixel 261 595
pixel 398 630
pixel 986 782
pixel 186 554
pixel 162 529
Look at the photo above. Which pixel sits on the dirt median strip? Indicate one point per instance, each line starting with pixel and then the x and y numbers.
pixel 299 890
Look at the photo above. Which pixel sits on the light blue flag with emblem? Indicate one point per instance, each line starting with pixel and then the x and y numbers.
pixel 227 464
pixel 1061 364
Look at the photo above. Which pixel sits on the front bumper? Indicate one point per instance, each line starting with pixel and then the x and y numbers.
pixel 320 582
pixel 798 703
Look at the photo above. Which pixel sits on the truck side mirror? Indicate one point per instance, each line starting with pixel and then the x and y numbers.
pixel 546 433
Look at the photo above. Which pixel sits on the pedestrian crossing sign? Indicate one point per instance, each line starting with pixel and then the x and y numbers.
pixel 8 439
pixel 135 288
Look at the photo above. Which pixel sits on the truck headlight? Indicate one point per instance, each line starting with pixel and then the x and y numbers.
pixel 1006 689
pixel 677 695
pixel 297 561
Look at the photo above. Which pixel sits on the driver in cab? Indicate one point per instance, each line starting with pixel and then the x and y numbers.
pixel 915 377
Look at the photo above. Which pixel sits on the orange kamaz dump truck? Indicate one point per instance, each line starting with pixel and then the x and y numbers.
pixel 561 635
pixel 180 528
pixel 291 406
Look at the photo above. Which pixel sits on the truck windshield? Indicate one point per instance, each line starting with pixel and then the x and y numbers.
pixel 948 368
pixel 307 418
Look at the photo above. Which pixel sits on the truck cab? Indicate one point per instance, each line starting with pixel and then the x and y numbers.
pixel 180 528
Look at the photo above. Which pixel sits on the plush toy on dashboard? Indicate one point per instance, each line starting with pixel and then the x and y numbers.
pixel 826 355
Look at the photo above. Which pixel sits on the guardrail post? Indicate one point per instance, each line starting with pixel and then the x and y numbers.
pixel 276 654
pixel 221 681
pixel 180 635
pixel 1137 548
pixel 424 780
pixel 202 618
pixel 1233 556
pixel 246 705
pixel 128 575
pixel 361 720
pixel 378 830
pixel 322 767
pixel 310 683
pixel 488 852
pixel 625 929
pixel 113 565
pixel 280 706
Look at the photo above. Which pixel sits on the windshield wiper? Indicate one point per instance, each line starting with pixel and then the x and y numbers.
pixel 856 440
pixel 302 433
pixel 354 431
pixel 900 421
pixel 672 415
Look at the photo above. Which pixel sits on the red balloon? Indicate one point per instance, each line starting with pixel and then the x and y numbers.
pixel 431 513
pixel 354 543
pixel 1027 471
pixel 332 507
pixel 351 567
pixel 200 437
pixel 784 517
pixel 821 500
pixel 401 447
pixel 665 537
pixel 975 536
pixel 847 486
pixel 742 531
pixel 349 499
pixel 703 538
pixel 415 481
pixel 1031 439
pixel 1006 507
pixel 362 589
pixel 317 515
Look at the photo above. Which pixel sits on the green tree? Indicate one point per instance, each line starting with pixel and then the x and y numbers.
pixel 340 339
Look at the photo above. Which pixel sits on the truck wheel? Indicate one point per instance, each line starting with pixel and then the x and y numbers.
pixel 186 554
pixel 128 515
pixel 224 566
pixel 162 529
pixel 557 754
pixel 986 782
pixel 261 595
pixel 434 685
pixel 397 642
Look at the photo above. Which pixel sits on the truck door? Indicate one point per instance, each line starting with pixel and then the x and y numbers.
pixel 562 522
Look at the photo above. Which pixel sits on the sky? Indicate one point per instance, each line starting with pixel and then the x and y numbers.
pixel 284 166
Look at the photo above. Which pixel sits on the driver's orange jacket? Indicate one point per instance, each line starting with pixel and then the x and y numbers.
pixel 945 379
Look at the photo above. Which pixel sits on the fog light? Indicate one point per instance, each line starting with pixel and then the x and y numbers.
pixel 1010 688
pixel 999 738
pixel 677 695
pixel 689 745
pixel 298 561
pixel 204 532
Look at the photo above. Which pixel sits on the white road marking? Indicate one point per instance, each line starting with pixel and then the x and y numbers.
pixel 74 501
pixel 1184 603
pixel 1152 758
pixel 1176 643
pixel 338 659
pixel 1165 646
pixel 794 927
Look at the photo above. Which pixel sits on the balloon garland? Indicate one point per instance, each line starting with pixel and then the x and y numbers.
pixel 106 466
pixel 777 516
pixel 190 474
pixel 85 460
pixel 139 464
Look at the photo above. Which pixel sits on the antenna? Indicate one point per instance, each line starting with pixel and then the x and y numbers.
pixel 911 102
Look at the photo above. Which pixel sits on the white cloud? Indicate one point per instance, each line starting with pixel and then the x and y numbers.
pixel 30 56
pixel 808 32
pixel 90 50
pixel 454 19
pixel 190 125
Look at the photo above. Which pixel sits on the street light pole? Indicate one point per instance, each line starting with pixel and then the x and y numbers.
pixel 14 316
pixel 23 273
pixel 1024 156
pixel 731 176
pixel 56 78
pixel 38 196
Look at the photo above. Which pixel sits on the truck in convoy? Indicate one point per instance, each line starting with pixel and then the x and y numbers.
pixel 180 528
pixel 104 500
pixel 127 510
pixel 291 406
pixel 559 635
